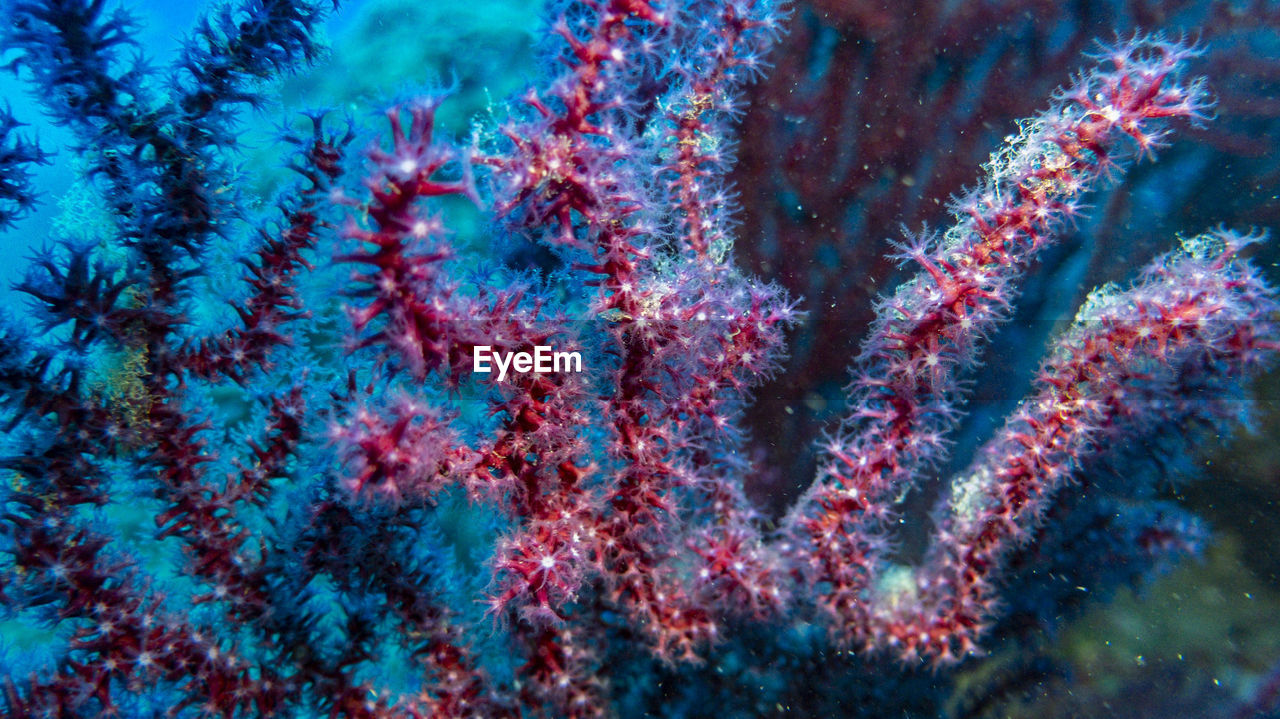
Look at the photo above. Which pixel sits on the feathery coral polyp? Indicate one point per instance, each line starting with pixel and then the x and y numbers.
pixel 457 428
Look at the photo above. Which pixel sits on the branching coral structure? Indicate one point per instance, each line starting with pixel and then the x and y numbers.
pixel 455 428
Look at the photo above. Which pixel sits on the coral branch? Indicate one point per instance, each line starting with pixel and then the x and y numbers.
pixel 455 429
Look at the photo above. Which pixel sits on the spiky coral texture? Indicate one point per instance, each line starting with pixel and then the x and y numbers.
pixel 316 556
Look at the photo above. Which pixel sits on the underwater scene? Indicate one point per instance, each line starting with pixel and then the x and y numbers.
pixel 640 358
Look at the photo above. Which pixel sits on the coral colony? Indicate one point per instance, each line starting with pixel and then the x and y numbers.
pixel 335 460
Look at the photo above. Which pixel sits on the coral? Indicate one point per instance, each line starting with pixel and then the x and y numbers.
pixel 348 514
pixel 16 153
pixel 835 163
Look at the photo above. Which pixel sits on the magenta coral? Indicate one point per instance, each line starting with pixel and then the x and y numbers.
pixel 906 392
pixel 399 480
